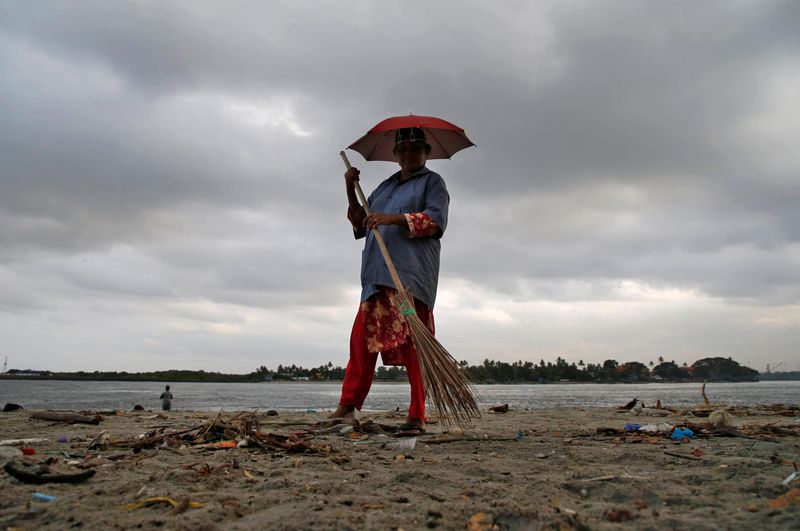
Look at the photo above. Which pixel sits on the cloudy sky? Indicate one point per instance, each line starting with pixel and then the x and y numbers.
pixel 171 194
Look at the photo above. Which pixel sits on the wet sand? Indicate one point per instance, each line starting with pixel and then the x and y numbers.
pixel 559 469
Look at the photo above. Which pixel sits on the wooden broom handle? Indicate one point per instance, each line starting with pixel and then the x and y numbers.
pixel 375 232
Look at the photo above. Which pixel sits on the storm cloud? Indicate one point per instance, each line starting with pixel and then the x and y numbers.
pixel 172 196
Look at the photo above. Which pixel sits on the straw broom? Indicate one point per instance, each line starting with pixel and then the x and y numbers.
pixel 445 383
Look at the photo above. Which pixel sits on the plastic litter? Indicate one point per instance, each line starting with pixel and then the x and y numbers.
pixel 63 439
pixel 40 496
pixel 311 410
pixel 682 433
pixel 159 500
pixel 793 476
pixel 403 444
pixel 519 436
pixel 655 428
pixel 632 427
pixel 28 451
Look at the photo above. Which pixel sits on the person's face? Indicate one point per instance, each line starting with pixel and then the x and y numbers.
pixel 411 155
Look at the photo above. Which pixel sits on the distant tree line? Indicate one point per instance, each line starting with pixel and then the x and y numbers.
pixel 490 371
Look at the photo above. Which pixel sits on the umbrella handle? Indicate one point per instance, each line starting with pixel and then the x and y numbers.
pixel 378 237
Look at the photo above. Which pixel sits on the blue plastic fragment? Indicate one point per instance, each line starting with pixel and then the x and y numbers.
pixel 682 433
pixel 40 496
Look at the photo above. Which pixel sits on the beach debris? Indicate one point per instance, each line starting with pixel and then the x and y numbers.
pixel 271 413
pixel 219 445
pixel 630 404
pixel 138 407
pixel 684 456
pixel 703 393
pixel 11 407
pixel 618 515
pixel 407 444
pixel 9 452
pixel 63 439
pixel 41 496
pixel 611 477
pixel 519 436
pixel 100 442
pixel 790 499
pixel 680 434
pixel 480 522
pixel 28 451
pixel 71 418
pixel 791 477
pixel 502 408
pixel 720 419
pixel 239 431
pixel 20 442
pixel 656 428
pixel 159 500
pixel 41 474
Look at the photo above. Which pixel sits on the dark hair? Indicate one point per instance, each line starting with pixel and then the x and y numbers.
pixel 167 388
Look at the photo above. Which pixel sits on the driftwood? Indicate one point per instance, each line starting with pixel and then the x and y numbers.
pixel 71 418
pixel 21 442
pixel 30 477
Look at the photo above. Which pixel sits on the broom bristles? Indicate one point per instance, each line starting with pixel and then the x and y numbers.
pixel 445 383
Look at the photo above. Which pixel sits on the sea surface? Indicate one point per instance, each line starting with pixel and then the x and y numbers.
pixel 305 396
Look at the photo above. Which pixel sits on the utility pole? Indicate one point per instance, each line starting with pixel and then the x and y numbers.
pixel 5 365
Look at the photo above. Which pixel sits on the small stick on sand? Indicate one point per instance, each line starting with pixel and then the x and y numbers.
pixel 613 477
pixel 684 456
pixel 28 477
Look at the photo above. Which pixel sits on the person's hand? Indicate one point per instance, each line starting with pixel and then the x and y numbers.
pixel 378 218
pixel 351 176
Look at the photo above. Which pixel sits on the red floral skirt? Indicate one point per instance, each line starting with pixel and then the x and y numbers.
pixel 386 328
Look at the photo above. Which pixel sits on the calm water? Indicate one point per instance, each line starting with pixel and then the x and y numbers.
pixel 302 396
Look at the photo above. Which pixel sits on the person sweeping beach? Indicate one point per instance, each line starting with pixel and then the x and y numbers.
pixel 410 211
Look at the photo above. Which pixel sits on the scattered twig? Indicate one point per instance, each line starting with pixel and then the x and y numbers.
pixel 209 426
pixel 612 477
pixel 29 477
pixel 684 456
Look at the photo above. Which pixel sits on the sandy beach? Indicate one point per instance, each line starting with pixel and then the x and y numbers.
pixel 551 469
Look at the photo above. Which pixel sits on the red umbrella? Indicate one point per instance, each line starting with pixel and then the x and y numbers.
pixel 445 138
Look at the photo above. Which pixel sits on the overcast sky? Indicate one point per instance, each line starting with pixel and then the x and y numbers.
pixel 171 194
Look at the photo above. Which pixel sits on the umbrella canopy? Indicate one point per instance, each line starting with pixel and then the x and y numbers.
pixel 445 138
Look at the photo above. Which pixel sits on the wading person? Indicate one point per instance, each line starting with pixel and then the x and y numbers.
pixel 166 399
pixel 410 211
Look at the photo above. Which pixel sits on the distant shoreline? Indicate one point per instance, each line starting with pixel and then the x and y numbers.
pixel 398 382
